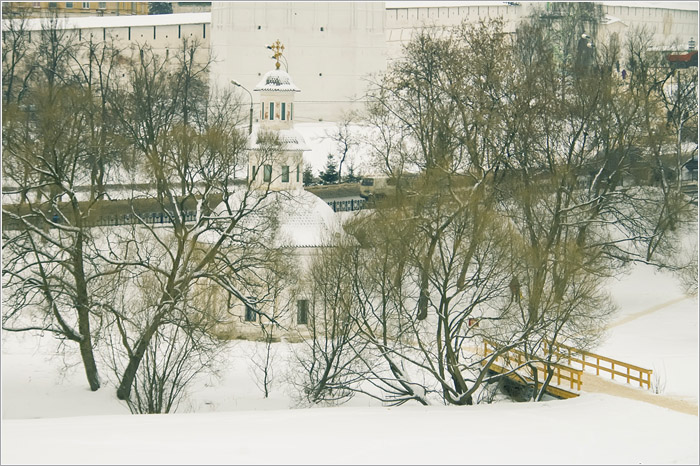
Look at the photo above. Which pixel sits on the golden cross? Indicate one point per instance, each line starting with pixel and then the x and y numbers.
pixel 277 47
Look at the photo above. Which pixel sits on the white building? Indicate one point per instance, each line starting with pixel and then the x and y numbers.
pixel 279 170
pixel 303 221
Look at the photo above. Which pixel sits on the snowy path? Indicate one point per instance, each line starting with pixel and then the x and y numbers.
pixel 665 310
pixel 597 384
pixel 637 315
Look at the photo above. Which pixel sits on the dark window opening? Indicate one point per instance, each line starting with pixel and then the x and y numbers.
pixel 250 314
pixel 267 175
pixel 272 111
pixel 285 173
pixel 303 312
pixel 284 109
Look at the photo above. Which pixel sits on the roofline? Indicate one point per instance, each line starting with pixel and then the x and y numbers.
pixel 97 22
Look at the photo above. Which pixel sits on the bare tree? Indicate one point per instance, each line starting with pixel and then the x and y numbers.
pixel 544 138
pixel 326 360
pixel 183 346
pixel 49 262
pixel 277 281
pixel 345 141
pixel 17 63
pixel 218 228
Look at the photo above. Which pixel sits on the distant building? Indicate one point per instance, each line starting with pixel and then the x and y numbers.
pixel 344 197
pixel 43 9
pixel 191 7
pixel 690 169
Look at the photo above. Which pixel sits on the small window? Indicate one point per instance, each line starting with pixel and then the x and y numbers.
pixel 284 109
pixel 36 4
pixel 285 172
pixel 291 111
pixel 53 4
pixel 272 111
pixel 102 5
pixel 69 4
pixel 262 110
pixel 250 314
pixel 267 175
pixel 86 5
pixel 297 173
pixel 303 312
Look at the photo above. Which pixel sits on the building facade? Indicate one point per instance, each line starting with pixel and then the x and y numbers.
pixel 42 9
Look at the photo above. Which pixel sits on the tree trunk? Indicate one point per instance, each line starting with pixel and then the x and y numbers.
pixel 83 308
pixel 124 390
pixel 88 356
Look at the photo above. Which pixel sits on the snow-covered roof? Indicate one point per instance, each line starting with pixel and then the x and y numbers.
pixel 609 19
pixel 291 140
pixel 95 22
pixel 278 81
pixel 303 220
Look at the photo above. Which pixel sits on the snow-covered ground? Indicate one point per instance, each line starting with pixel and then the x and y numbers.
pixel 50 416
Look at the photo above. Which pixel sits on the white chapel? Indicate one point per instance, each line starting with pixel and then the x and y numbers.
pixel 304 221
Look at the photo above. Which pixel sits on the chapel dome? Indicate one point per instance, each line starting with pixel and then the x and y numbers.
pixel 277 80
pixel 305 220
pixel 301 219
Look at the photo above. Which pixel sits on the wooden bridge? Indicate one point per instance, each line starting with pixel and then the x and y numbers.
pixel 567 380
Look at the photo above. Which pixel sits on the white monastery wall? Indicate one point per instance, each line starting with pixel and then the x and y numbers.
pixel 332 47
pixel 164 33
pixel 670 27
